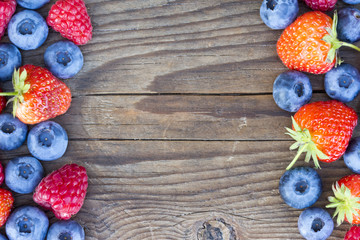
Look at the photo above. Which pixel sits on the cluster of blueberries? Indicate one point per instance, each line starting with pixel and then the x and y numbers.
pixel 47 141
pixel 301 187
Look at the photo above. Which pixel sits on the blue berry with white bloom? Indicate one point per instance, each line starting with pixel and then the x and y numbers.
pixel 47 141
pixel 348 27
pixel 12 132
pixel 2 237
pixel 68 229
pixel 351 1
pixel 352 155
pixel 23 174
pixel 10 59
pixel 315 224
pixel 32 4
pixel 278 14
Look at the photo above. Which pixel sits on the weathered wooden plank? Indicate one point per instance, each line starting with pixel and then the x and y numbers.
pixel 168 190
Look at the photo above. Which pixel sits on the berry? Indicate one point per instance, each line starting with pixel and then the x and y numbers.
pixel 10 58
pixel 346 199
pixel 68 229
pixel 351 156
pixel 321 5
pixel 309 44
pixel 2 102
pixel 300 187
pixel 353 233
pixel 351 1
pixel 278 14
pixel 64 59
pixel 323 130
pixel 27 223
pixel 2 237
pixel 292 90
pixel 348 27
pixel 342 83
pixel 6 204
pixel 32 4
pixel 23 174
pixel 8 8
pixel 70 18
pixel 315 224
pixel 2 175
pixel 47 141
pixel 63 191
pixel 12 132
pixel 27 30
pixel 38 95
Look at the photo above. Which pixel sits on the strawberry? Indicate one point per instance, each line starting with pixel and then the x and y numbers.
pixel 310 43
pixel 346 199
pixel 2 102
pixel 7 9
pixel 38 95
pixel 6 204
pixel 321 5
pixel 353 233
pixel 63 191
pixel 70 18
pixel 323 130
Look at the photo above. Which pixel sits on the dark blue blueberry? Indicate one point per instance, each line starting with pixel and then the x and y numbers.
pixel 352 155
pixel 342 83
pixel 27 223
pixel 28 30
pixel 278 14
pixel 47 141
pixel 32 4
pixel 65 230
pixel 348 27
pixel 352 1
pixel 292 90
pixel 315 224
pixel 300 187
pixel 23 174
pixel 64 59
pixel 12 132
pixel 10 58
pixel 2 237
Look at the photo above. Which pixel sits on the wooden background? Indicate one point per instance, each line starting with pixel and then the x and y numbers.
pixel 174 120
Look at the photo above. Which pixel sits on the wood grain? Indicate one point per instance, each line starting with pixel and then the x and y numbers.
pixel 172 115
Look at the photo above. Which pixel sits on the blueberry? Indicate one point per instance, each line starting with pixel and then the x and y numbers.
pixel 278 14
pixel 47 141
pixel 63 230
pixel 315 224
pixel 27 223
pixel 300 187
pixel 32 4
pixel 28 30
pixel 10 58
pixel 351 1
pixel 2 237
pixel 292 90
pixel 12 132
pixel 23 174
pixel 64 59
pixel 348 27
pixel 352 155
pixel 342 83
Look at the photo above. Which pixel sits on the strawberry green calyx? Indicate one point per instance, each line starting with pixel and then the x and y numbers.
pixel 20 88
pixel 344 203
pixel 335 43
pixel 304 143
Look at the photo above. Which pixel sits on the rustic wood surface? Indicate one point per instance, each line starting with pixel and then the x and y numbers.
pixel 173 118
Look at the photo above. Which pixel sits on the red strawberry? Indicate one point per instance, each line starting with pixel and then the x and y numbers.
pixel 322 130
pixel 346 199
pixel 63 191
pixel 6 204
pixel 7 9
pixel 38 95
pixel 2 102
pixel 321 5
pixel 70 18
pixel 310 43
pixel 353 233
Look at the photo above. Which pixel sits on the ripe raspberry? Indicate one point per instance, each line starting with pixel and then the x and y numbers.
pixel 321 5
pixel 7 9
pixel 2 102
pixel 353 233
pixel 63 191
pixel 2 176
pixel 70 18
pixel 6 203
